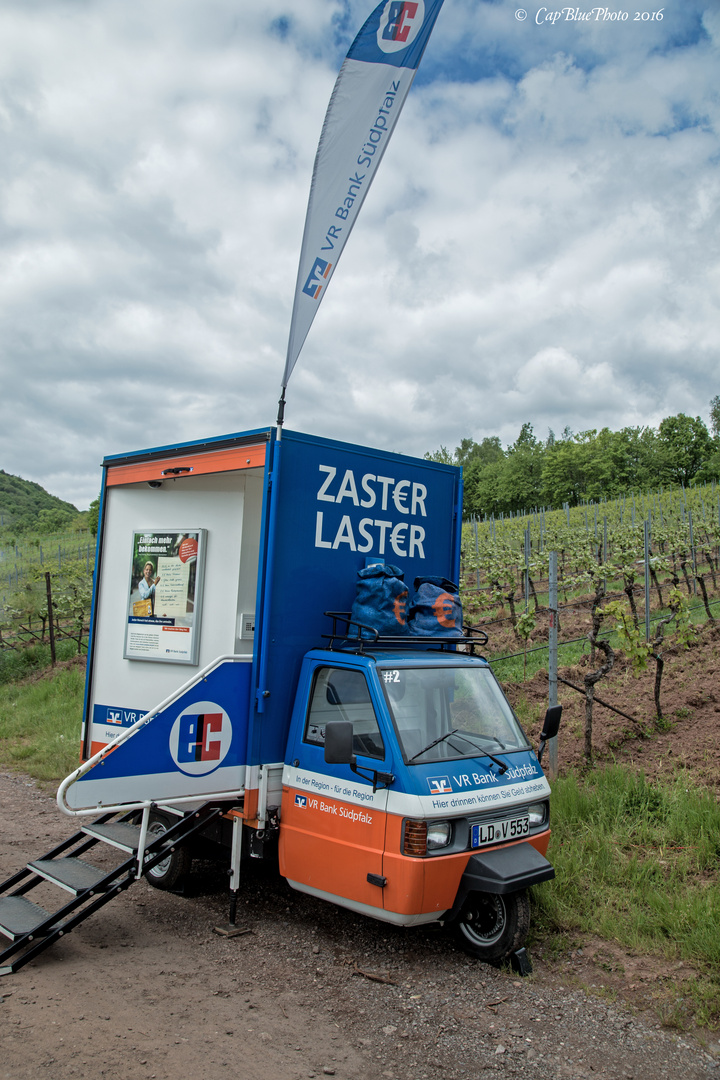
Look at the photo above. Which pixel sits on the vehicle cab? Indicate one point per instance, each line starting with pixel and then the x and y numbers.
pixel 411 794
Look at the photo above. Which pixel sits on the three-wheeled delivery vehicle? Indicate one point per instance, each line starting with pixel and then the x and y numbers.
pixel 223 705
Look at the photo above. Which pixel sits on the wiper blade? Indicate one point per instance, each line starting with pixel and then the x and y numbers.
pixel 502 745
pixel 494 738
pixel 502 765
pixel 434 743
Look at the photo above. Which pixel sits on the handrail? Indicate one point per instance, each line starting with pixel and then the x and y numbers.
pixel 128 734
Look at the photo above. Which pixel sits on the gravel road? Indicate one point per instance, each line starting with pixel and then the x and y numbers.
pixel 145 989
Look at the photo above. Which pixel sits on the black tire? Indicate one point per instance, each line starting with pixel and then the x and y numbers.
pixel 491 927
pixel 172 870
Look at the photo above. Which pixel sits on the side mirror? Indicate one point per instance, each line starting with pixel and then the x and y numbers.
pixel 552 723
pixel 339 743
pixel 551 726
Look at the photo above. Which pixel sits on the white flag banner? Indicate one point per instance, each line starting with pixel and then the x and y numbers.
pixel 365 105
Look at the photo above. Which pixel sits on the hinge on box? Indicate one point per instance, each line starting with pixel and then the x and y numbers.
pixel 377 879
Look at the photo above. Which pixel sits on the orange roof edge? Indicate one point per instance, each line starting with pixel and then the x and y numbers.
pixel 192 464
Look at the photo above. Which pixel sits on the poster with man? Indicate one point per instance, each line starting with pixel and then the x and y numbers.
pixel 165 593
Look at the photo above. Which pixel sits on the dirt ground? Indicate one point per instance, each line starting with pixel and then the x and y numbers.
pixel 145 990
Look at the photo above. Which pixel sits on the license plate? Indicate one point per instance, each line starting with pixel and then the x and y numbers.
pixel 498 832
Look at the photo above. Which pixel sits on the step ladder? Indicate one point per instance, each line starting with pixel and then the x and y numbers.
pixel 32 929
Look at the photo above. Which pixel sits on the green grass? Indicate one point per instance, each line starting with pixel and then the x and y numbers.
pixel 40 724
pixel 637 864
pixel 16 664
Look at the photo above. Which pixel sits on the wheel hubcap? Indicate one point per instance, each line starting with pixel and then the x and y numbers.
pixel 157 829
pixel 484 919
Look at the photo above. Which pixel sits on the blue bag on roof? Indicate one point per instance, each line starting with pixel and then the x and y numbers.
pixel 436 610
pixel 381 600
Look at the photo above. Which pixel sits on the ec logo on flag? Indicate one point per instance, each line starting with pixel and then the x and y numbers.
pixel 317 278
pixel 400 24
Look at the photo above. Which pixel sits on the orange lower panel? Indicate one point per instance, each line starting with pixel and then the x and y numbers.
pixel 416 886
pixel 540 843
pixel 331 845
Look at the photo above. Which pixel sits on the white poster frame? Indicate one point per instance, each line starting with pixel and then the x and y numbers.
pixel 145 627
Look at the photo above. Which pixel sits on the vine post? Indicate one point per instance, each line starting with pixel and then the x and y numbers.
pixel 692 551
pixel 477 555
pixel 646 540
pixel 51 625
pixel 553 659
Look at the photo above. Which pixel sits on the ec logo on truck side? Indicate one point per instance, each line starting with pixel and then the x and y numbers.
pixel 200 738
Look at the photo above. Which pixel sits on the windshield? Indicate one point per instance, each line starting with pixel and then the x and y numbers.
pixel 446 713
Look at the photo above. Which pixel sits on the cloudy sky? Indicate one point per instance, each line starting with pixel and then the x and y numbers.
pixel 541 243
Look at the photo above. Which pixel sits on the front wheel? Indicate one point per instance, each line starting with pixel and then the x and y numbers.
pixel 492 927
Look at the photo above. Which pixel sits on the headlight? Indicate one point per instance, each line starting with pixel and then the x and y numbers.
pixel 439 835
pixel 537 814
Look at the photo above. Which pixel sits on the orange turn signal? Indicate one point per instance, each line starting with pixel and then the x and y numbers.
pixel 415 838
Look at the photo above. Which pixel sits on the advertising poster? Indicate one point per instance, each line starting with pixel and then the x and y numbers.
pixel 165 595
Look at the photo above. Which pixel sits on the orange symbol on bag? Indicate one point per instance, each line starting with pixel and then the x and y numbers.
pixel 400 607
pixel 443 608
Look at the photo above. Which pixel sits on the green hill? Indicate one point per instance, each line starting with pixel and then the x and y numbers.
pixel 26 505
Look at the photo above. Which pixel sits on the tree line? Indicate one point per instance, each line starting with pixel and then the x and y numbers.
pixel 587 466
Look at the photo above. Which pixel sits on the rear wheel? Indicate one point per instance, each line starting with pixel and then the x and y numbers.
pixel 167 873
pixel 492 927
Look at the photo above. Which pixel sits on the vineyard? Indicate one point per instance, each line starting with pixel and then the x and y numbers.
pixel 39 574
pixel 638 574
pixel 637 587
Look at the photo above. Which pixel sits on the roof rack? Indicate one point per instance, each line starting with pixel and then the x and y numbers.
pixel 364 637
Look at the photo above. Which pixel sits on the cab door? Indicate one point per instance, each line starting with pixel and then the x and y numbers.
pixel 332 824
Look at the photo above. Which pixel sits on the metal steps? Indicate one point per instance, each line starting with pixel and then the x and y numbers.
pixel 31 928
pixel 117 833
pixel 19 916
pixel 69 873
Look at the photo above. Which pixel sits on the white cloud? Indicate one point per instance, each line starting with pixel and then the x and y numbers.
pixel 554 372
pixel 539 244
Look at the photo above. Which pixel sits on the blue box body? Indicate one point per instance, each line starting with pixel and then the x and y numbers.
pixel 320 532
pixel 328 508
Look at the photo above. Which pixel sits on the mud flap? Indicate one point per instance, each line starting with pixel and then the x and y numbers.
pixel 501 871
